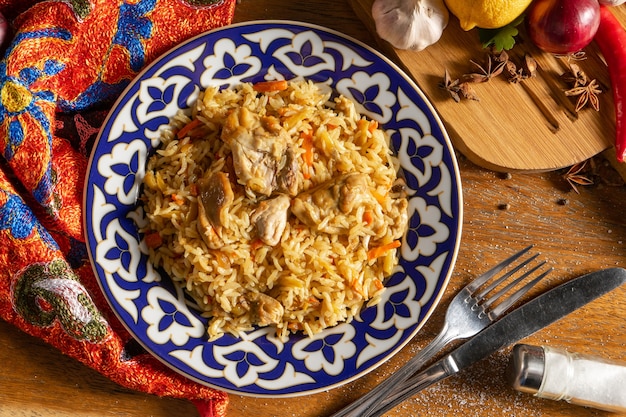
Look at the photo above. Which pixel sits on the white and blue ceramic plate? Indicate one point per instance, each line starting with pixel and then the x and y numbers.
pixel 157 313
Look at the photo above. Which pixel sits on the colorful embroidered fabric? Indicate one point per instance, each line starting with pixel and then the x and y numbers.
pixel 64 63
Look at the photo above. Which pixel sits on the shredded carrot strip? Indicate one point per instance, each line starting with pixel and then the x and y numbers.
pixel 188 128
pixel 368 217
pixel 256 244
pixel 177 199
pixel 379 285
pixel 381 250
pixel 268 86
pixel 357 287
pixel 153 240
pixel 369 125
pixel 307 145
pixel 313 301
pixel 378 196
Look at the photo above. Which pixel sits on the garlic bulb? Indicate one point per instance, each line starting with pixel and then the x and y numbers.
pixel 410 24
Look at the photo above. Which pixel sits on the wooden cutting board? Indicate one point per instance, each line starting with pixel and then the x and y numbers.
pixel 527 126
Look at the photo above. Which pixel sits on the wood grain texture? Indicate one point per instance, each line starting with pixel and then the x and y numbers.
pixel 528 126
pixel 576 233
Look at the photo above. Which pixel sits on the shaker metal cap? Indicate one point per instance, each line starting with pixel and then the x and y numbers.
pixel 526 368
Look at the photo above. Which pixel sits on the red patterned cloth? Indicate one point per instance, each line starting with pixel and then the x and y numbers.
pixel 65 62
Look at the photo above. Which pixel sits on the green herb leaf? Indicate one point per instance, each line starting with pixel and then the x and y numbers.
pixel 501 38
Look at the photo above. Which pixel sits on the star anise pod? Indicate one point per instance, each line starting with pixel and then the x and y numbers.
pixel 577 56
pixel 530 66
pixel 485 74
pixel 466 91
pixel 586 94
pixel 513 74
pixel 451 86
pixel 502 56
pixel 575 76
pixel 457 89
pixel 575 176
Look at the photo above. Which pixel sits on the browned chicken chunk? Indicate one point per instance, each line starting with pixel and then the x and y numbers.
pixel 270 219
pixel 352 191
pixel 266 310
pixel 287 177
pixel 399 212
pixel 257 152
pixel 215 195
pixel 340 194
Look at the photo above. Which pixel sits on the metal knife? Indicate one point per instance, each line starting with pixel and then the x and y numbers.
pixel 532 316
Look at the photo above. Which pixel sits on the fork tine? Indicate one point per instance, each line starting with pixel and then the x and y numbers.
pixel 487 301
pixel 503 278
pixel 505 305
pixel 481 280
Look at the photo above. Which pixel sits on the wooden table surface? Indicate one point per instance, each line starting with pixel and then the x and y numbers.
pixel 576 233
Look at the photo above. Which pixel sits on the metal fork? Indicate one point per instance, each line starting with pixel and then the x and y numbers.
pixel 469 312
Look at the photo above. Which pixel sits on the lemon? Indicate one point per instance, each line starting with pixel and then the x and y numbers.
pixel 486 14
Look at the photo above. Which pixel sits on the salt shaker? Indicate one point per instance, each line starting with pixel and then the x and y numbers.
pixel 556 374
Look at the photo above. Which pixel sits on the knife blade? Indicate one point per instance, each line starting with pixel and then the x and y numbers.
pixel 527 319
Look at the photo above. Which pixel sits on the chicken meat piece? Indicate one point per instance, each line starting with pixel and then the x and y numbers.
pixel 267 310
pixel 338 195
pixel 400 213
pixel 287 177
pixel 257 151
pixel 352 190
pixel 270 219
pixel 215 196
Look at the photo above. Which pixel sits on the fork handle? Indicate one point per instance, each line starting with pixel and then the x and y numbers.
pixel 366 406
pixel 418 382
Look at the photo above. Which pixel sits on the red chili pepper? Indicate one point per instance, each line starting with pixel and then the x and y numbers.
pixel 611 38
